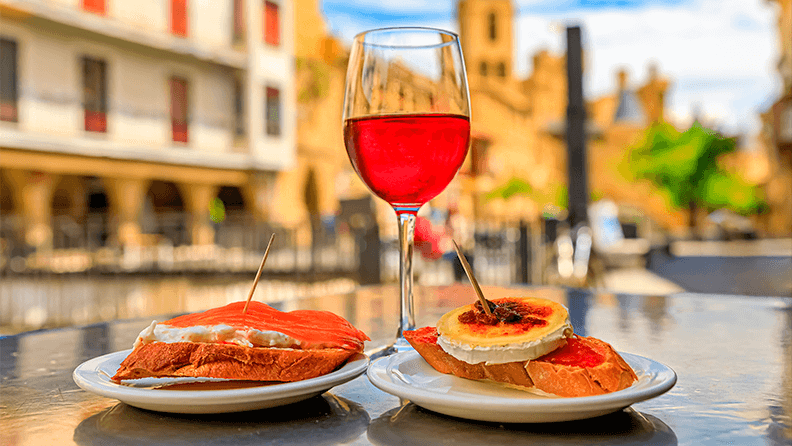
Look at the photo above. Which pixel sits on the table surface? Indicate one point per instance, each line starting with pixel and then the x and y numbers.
pixel 732 355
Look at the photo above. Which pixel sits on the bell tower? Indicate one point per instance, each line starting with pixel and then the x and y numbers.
pixel 485 31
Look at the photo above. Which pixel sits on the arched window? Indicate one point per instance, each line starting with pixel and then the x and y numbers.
pixel 492 26
pixel 501 69
pixel 483 68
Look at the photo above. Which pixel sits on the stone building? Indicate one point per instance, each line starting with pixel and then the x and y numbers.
pixel 135 116
pixel 517 125
pixel 777 132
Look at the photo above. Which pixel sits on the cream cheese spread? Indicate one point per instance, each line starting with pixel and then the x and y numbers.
pixel 215 334
pixel 501 354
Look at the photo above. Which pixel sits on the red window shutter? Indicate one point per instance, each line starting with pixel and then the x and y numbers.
pixel 271 24
pixel 179 106
pixel 95 6
pixel 9 93
pixel 95 94
pixel 8 111
pixel 179 17
pixel 95 121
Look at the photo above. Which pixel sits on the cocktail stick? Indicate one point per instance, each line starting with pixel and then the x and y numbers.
pixel 473 281
pixel 258 274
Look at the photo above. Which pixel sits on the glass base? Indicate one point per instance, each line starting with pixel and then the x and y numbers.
pixel 400 345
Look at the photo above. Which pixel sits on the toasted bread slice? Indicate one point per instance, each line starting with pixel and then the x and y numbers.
pixel 584 367
pixel 229 361
pixel 424 341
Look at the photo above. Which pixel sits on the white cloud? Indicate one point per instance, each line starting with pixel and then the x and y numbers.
pixel 719 55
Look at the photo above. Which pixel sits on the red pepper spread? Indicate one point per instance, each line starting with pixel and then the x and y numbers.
pixel 575 353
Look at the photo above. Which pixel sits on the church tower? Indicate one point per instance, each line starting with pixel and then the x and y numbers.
pixel 485 31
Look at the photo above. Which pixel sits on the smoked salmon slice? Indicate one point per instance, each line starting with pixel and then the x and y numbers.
pixel 313 328
pixel 325 342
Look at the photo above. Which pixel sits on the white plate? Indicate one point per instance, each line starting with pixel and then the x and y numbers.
pixel 94 376
pixel 408 376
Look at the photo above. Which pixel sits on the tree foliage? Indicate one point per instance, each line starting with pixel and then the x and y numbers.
pixel 555 194
pixel 515 186
pixel 685 164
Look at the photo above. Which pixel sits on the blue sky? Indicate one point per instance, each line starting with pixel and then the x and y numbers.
pixel 720 55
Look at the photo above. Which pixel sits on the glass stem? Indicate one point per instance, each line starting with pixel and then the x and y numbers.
pixel 406 236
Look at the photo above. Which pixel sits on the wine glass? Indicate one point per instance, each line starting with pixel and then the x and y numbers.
pixel 406 128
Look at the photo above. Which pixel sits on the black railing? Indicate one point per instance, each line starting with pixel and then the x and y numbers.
pixel 500 254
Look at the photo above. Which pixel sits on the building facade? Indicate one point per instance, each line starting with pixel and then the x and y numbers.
pixel 141 119
pixel 138 116
pixel 777 131
pixel 322 176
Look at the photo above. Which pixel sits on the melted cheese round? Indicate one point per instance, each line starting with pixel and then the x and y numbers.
pixel 543 328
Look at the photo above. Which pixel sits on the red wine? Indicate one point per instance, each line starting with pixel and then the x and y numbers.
pixel 407 159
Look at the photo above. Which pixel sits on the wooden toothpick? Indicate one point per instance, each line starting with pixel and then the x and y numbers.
pixel 258 274
pixel 473 281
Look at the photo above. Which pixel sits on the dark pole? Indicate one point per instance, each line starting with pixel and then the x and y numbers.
pixel 524 254
pixel 575 131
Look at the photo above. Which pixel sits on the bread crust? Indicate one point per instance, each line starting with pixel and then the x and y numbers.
pixel 568 380
pixel 563 380
pixel 229 361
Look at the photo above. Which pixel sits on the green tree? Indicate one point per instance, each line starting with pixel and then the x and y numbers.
pixel 685 165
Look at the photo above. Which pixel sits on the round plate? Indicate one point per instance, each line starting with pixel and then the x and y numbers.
pixel 94 376
pixel 408 376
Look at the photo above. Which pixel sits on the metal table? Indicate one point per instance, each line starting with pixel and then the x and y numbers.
pixel 732 354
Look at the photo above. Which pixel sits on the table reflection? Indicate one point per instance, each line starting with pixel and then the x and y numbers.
pixel 338 419
pixel 412 425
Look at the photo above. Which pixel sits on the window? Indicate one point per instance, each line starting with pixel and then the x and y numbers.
pixel 94 73
pixel 179 17
pixel 239 108
pixel 784 126
pixel 478 156
pixel 95 6
pixel 502 69
pixel 239 22
pixel 179 109
pixel 9 93
pixel 492 26
pixel 273 112
pixel 271 24
pixel 483 68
